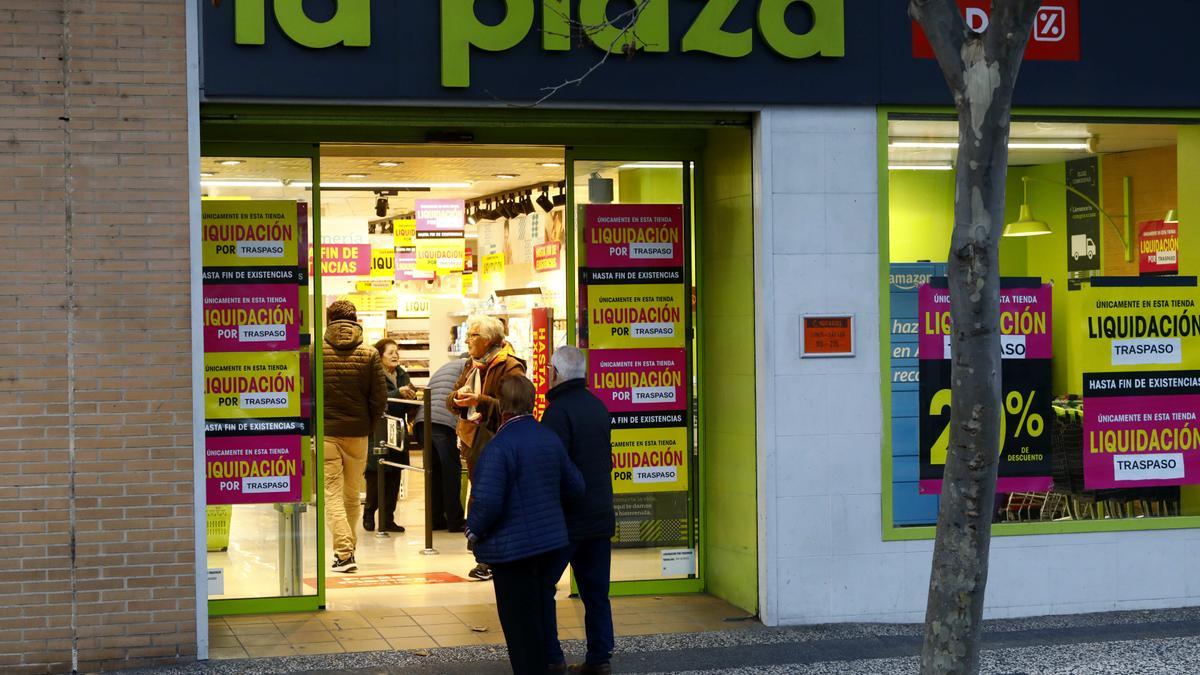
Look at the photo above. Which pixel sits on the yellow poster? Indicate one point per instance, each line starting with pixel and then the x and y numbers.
pixel 1138 328
pixel 251 385
pixel 634 316
pixel 405 232
pixel 441 255
pixel 491 266
pixel 249 233
pixel 374 285
pixel 649 460
pixel 383 263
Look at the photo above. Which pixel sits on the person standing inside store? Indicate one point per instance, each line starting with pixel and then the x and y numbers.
pixel 516 523
pixel 475 399
pixel 398 386
pixel 355 399
pixel 583 424
pixel 447 466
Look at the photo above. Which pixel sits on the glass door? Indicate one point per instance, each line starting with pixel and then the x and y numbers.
pixel 631 221
pixel 260 209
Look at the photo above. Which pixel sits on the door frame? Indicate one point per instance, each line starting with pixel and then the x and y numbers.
pixel 692 200
pixel 301 603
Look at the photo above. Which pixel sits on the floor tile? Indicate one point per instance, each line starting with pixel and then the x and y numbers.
pixel 393 632
pixel 260 651
pixel 308 626
pixel 223 641
pixel 457 640
pixel 255 629
pixel 227 653
pixel 345 623
pixel 310 637
pixel 401 620
pixel 409 644
pixel 261 640
pixel 332 647
pixel 437 619
pixel 375 645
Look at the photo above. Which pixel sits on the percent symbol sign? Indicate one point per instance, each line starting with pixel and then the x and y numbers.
pixel 1017 403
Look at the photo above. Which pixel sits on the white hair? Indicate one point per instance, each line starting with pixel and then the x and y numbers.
pixel 489 327
pixel 569 362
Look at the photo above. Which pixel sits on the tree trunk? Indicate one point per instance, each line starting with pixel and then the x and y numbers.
pixel 981 71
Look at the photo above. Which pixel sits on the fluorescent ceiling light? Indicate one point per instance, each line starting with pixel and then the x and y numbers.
pixel 384 185
pixel 1015 144
pixel 920 167
pixel 652 165
pixel 241 183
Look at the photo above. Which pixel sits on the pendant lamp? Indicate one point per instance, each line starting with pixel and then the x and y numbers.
pixel 1026 225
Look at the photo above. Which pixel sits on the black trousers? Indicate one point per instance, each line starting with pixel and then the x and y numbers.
pixel 391 493
pixel 520 586
pixel 446 478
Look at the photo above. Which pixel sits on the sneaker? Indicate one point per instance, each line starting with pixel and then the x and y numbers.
pixel 347 565
pixel 481 572
pixel 392 527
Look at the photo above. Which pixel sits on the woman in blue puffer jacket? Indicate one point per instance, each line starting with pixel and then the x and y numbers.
pixel 516 523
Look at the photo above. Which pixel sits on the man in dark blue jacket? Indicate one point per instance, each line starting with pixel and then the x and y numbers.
pixel 516 523
pixel 583 424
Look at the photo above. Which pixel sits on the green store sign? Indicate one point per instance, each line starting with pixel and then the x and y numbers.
pixel 461 30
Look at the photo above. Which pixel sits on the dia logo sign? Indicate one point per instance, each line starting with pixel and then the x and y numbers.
pixel 1055 35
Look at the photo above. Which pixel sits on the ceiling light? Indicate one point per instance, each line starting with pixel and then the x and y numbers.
pixel 506 176
pixel 389 164
pixel 207 174
pixel 1015 144
pixel 356 175
pixel 231 162
pixel 938 166
pixel 652 165
pixel 241 183
pixel 384 185
pixel 551 165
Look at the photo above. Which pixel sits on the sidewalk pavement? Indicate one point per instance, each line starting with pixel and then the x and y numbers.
pixel 1128 643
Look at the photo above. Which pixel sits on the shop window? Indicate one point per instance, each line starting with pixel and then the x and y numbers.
pixel 1099 395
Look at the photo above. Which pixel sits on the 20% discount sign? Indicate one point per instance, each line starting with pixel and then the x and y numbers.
pixel 1030 425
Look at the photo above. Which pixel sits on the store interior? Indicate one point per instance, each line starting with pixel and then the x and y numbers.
pixel 1146 170
pixel 512 260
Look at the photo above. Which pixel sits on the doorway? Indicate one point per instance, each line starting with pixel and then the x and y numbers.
pixel 521 244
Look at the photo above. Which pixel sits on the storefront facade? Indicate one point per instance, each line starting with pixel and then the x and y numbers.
pixel 808 505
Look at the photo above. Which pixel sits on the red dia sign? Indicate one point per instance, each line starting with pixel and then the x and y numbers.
pixel 1055 30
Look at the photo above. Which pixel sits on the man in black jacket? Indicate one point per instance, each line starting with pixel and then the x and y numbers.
pixel 583 424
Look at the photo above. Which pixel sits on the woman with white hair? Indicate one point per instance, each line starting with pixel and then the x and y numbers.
pixel 476 396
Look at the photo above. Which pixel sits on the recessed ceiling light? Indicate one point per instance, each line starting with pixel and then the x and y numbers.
pixel 506 176
pixel 207 174
pixel 389 163
pixel 356 175
pixel 231 162
pixel 551 165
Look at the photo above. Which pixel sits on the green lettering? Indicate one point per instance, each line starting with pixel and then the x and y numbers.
pixel 350 24
pixel 462 30
pixel 249 22
pixel 827 36
pixel 651 31
pixel 708 34
pixel 556 25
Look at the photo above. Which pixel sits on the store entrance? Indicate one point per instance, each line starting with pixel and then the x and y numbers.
pixel 424 238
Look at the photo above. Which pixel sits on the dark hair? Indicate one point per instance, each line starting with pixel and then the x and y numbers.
pixel 516 396
pixel 342 310
pixel 382 345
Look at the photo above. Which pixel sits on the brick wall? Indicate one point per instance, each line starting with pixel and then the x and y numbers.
pixel 95 377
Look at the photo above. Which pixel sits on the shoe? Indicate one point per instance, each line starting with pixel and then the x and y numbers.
pixel 369 524
pixel 347 565
pixel 590 668
pixel 393 528
pixel 481 572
